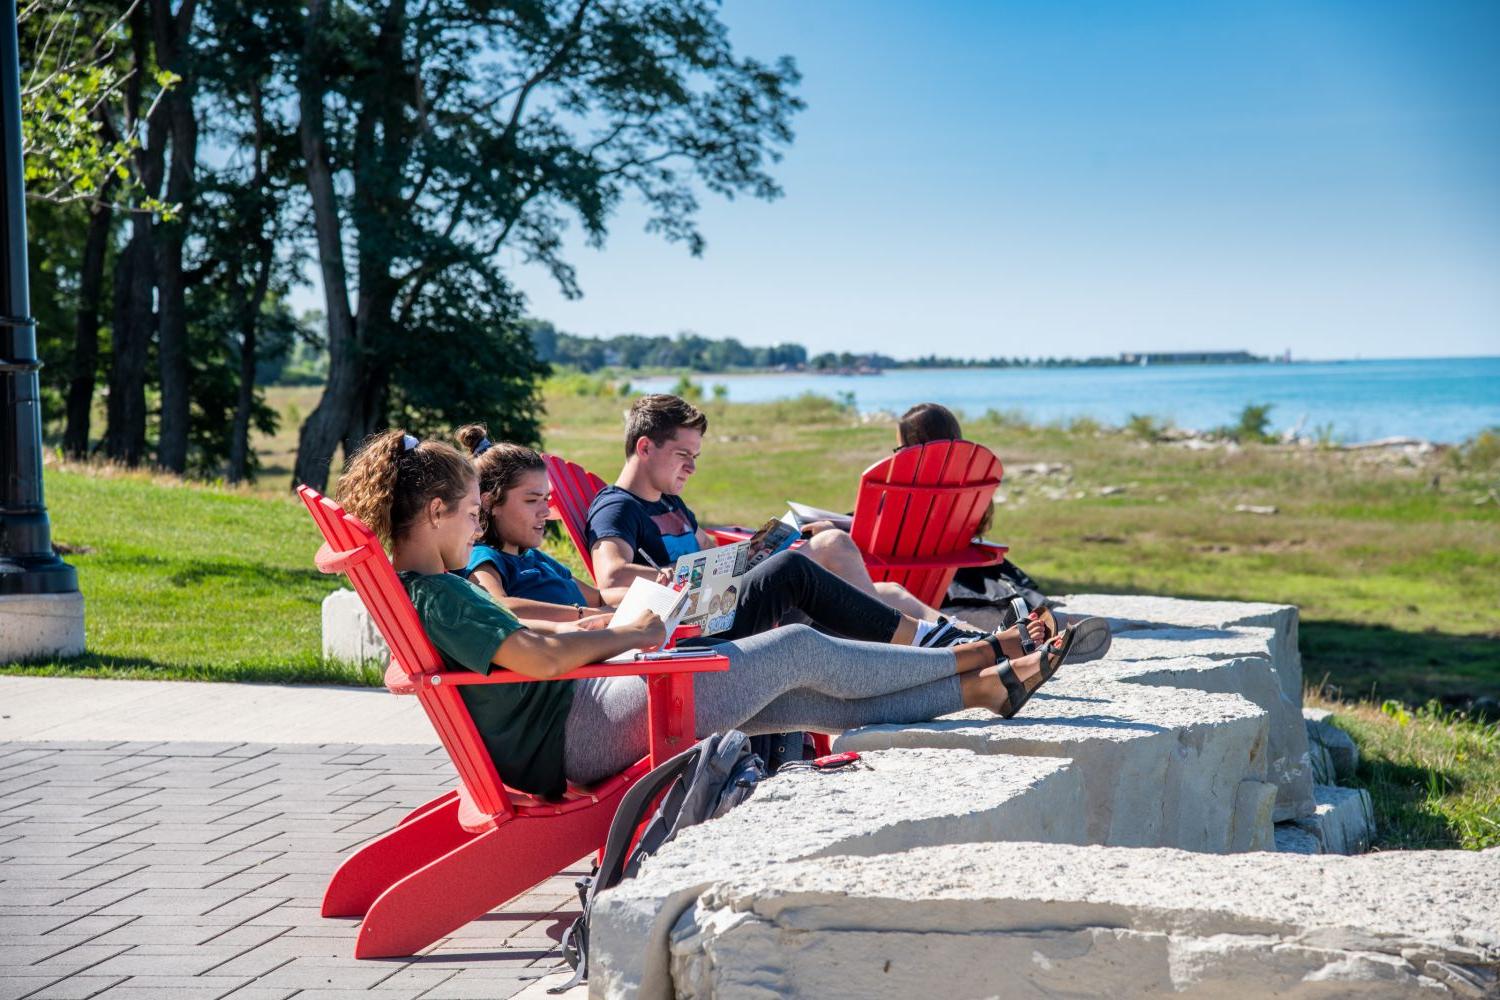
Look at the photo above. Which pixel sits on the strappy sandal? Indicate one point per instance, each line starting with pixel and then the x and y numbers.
pixel 1091 639
pixel 1023 615
pixel 1054 652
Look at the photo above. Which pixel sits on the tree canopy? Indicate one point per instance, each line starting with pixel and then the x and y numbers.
pixel 406 151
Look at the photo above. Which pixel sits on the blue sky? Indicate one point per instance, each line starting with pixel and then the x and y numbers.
pixel 1084 178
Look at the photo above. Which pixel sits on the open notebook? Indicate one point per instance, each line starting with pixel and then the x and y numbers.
pixel 643 595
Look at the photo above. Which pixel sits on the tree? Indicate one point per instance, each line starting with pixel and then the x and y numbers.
pixel 172 39
pixel 78 84
pixel 435 136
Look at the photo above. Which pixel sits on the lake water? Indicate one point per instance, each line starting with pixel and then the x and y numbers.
pixel 1436 399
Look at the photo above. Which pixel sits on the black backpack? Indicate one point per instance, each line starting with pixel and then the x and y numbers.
pixel 703 782
pixel 1005 590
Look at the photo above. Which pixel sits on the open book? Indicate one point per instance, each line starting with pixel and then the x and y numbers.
pixel 800 515
pixel 643 595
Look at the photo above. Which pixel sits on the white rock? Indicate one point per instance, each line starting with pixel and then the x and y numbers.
pixel 888 804
pixel 349 633
pixel 1042 920
pixel 40 625
pixel 1160 617
pixel 1292 839
pixel 1338 745
pixel 1344 820
pixel 1160 766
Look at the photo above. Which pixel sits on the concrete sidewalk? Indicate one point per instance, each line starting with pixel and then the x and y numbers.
pixel 139 859
pixel 71 708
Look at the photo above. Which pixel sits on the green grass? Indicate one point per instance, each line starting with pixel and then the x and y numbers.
pixel 1395 566
pixel 191 582
pixel 1393 606
pixel 1433 775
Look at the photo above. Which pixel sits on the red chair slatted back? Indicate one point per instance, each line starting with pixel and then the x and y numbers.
pixel 924 501
pixel 353 549
pixel 573 489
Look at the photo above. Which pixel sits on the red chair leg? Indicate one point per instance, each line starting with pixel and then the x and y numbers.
pixel 477 876
pixel 376 866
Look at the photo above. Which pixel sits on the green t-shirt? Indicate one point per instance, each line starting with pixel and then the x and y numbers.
pixel 521 724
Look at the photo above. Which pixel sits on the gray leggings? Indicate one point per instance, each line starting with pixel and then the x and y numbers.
pixel 789 678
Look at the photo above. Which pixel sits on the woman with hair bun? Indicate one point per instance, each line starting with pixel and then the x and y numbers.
pixel 422 498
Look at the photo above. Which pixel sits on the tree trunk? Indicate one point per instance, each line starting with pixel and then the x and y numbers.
pixel 265 260
pixel 135 280
pixel 239 441
pixel 86 332
pixel 125 436
pixel 326 426
pixel 172 36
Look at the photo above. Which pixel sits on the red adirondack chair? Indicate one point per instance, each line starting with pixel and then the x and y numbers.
pixel 574 488
pixel 918 511
pixel 464 853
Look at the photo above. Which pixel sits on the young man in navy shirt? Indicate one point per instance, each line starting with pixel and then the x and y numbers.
pixel 640 526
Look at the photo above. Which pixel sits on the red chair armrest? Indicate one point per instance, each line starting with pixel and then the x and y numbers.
pixel 330 560
pixel 730 533
pixel 977 554
pixel 684 632
pixel 629 668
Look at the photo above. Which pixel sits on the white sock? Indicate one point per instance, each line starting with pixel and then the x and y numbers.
pixel 922 629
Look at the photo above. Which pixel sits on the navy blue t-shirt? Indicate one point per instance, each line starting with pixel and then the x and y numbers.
pixel 663 529
pixel 533 575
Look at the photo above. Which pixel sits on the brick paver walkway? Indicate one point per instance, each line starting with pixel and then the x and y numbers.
pixel 177 871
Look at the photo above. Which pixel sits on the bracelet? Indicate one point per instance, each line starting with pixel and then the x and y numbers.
pixel 580 610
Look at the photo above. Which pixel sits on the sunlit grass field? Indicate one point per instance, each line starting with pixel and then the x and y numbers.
pixel 1394 563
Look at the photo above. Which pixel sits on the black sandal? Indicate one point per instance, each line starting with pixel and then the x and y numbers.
pixel 1054 652
pixel 1023 615
pixel 1015 691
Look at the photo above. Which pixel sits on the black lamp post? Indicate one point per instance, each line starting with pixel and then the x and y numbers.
pixel 27 563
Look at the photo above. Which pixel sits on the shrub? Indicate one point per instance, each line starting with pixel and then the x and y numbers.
pixel 1480 452
pixel 1145 427
pixel 1255 423
pixel 687 389
pixel 1012 418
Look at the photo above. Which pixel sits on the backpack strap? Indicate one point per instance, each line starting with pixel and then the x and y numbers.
pixel 628 816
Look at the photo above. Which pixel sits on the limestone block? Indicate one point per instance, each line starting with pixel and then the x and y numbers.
pixel 1160 766
pixel 1320 762
pixel 1344 820
pixel 888 803
pixel 1043 920
pixel 40 625
pixel 1337 744
pixel 1127 612
pixel 1139 623
pixel 349 633
pixel 1292 839
pixel 1250 827
pixel 1237 661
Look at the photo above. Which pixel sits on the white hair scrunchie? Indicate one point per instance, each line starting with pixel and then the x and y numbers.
pixel 408 442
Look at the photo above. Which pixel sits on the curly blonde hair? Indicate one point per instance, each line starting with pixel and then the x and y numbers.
pixel 388 484
pixel 500 468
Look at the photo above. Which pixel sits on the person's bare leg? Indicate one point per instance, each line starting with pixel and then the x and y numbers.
pixel 982 688
pixel 836 552
pixel 901 599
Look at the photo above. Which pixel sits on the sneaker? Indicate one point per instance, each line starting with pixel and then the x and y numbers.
pixel 951 632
